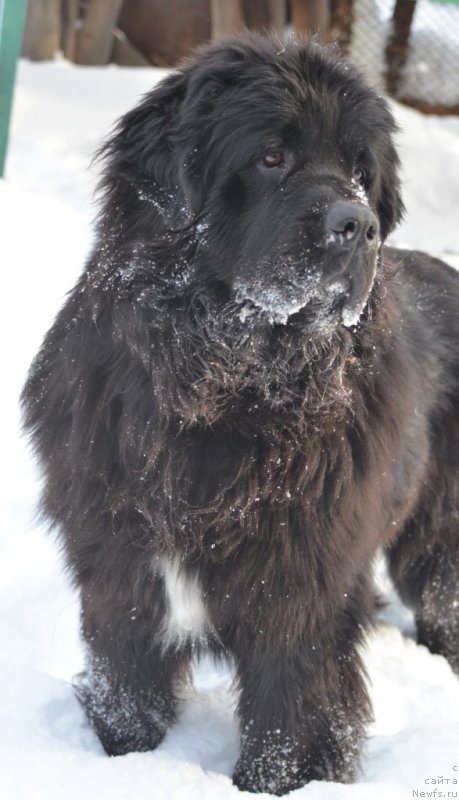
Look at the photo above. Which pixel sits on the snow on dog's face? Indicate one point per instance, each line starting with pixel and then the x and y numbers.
pixel 281 161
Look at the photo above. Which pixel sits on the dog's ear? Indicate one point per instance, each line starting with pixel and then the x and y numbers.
pixel 140 150
pixel 389 201
pixel 390 205
pixel 157 146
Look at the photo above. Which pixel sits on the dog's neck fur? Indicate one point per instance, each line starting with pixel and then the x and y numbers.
pixel 205 370
pixel 204 360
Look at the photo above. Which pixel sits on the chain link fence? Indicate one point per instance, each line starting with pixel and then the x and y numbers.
pixel 410 49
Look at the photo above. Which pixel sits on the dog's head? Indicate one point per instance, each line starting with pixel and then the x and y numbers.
pixel 282 162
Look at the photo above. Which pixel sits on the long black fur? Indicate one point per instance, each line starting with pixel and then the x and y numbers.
pixel 175 416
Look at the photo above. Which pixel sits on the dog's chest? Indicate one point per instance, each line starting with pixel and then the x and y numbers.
pixel 185 618
pixel 255 481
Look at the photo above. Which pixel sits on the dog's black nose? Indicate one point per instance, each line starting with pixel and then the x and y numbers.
pixel 346 223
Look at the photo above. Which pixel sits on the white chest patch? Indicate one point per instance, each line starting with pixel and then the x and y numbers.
pixel 186 617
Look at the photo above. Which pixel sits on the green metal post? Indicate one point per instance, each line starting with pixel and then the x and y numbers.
pixel 12 16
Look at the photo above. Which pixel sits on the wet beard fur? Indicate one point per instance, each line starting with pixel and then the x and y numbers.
pixel 208 361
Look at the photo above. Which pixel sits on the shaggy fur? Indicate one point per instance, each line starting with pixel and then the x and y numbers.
pixel 244 396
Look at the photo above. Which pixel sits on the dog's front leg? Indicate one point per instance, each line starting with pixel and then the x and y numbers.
pixel 303 707
pixel 133 673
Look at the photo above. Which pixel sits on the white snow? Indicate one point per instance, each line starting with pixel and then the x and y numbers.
pixel 47 751
pixel 276 303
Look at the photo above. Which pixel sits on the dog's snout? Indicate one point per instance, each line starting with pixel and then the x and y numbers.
pixel 346 223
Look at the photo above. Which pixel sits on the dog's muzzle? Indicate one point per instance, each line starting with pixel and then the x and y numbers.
pixel 351 241
pixel 348 225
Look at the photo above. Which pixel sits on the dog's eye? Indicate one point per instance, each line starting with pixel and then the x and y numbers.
pixel 274 159
pixel 359 176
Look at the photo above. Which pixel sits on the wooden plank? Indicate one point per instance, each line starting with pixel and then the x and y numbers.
pixel 398 46
pixel 166 31
pixel 341 21
pixel 125 54
pixel 278 15
pixel 95 39
pixel 69 27
pixel 265 15
pixel 42 33
pixel 311 17
pixel 439 109
pixel 227 18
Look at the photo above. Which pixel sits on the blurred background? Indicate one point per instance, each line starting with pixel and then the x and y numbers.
pixel 410 48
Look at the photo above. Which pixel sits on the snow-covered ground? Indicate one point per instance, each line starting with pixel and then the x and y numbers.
pixel 47 752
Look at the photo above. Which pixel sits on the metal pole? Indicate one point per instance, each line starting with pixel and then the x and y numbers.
pixel 12 17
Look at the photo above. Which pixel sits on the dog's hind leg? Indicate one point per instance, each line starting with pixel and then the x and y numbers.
pixel 426 575
pixel 424 561
pixel 131 686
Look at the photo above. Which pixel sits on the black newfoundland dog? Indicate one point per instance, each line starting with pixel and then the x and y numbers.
pixel 245 396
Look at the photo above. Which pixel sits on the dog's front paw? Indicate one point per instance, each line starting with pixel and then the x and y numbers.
pixel 270 764
pixel 278 763
pixel 122 725
pixel 277 778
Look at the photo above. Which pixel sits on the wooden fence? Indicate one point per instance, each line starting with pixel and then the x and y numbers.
pixel 162 32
